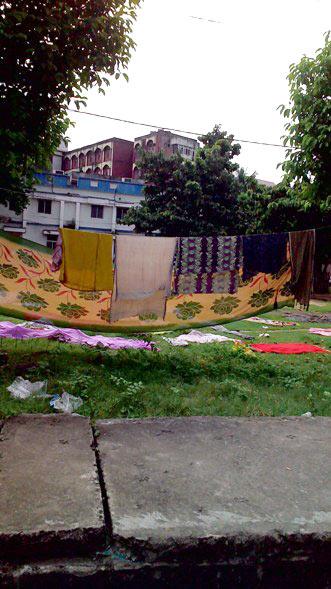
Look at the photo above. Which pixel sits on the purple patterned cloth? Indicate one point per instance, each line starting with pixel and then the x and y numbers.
pixel 207 265
pixel 70 336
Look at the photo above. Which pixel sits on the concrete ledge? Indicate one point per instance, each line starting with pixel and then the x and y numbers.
pixel 50 500
pixel 209 489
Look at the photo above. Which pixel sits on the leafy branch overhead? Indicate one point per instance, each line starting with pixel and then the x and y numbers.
pixel 52 52
pixel 308 128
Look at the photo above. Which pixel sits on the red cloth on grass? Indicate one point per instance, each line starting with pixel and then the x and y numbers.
pixel 289 348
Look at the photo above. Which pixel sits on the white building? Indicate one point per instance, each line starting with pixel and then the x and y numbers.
pixel 84 202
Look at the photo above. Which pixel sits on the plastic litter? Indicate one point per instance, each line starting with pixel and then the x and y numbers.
pixel 264 335
pixel 66 403
pixel 308 414
pixel 23 389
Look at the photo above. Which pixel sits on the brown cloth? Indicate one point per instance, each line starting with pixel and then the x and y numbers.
pixel 302 248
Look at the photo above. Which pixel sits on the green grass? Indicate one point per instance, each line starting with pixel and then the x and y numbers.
pixel 212 379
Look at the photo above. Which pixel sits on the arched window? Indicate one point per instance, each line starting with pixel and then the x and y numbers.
pixel 88 171
pixel 97 171
pixel 66 164
pixel 81 160
pixel 98 156
pixel 74 162
pixel 150 145
pixel 90 158
pixel 137 146
pixel 136 173
pixel 106 170
pixel 107 154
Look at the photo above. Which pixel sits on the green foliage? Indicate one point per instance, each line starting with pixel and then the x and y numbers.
pixel 191 197
pixel 51 52
pixel 265 209
pixel 308 128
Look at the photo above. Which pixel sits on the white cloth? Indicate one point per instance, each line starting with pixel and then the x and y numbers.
pixel 197 337
pixel 142 276
pixel 321 331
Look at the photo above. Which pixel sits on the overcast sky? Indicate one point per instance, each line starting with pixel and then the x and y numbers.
pixel 190 74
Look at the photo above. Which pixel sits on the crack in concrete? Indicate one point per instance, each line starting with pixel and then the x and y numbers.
pixel 103 488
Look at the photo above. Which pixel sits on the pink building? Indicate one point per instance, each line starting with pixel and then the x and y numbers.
pixel 111 157
pixel 165 141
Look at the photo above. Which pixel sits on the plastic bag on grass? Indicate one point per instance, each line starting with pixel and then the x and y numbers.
pixel 66 403
pixel 23 389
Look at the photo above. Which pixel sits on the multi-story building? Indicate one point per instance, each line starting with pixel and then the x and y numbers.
pixel 110 157
pixel 165 141
pixel 76 201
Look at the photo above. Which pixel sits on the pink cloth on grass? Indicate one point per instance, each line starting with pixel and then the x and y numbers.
pixel 321 331
pixel 70 336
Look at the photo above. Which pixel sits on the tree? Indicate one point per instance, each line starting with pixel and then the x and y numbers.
pixel 50 52
pixel 264 209
pixel 191 197
pixel 308 130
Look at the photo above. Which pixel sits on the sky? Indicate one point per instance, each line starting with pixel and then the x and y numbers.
pixel 190 74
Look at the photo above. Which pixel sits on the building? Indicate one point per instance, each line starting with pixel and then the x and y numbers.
pixel 165 141
pixel 75 201
pixel 110 158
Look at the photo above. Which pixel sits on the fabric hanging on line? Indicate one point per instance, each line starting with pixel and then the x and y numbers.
pixel 207 265
pixel 142 276
pixel 288 348
pixel 302 249
pixel 264 253
pixel 87 263
pixel 57 255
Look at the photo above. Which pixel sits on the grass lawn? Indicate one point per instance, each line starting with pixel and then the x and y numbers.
pixel 211 379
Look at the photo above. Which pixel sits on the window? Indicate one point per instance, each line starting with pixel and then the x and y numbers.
pixel 45 206
pixel 121 212
pixel 51 241
pixel 97 211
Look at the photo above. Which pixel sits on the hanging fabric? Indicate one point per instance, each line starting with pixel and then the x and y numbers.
pixel 143 276
pixel 207 265
pixel 87 263
pixel 57 255
pixel 264 253
pixel 302 249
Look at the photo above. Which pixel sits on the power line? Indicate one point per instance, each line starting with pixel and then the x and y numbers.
pixel 197 134
pixel 217 22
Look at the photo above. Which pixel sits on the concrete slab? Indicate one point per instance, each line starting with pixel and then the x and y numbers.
pixel 50 499
pixel 212 488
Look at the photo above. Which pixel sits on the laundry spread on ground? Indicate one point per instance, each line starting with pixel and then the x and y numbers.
pixel 274 322
pixel 10 330
pixel 143 276
pixel 304 317
pixel 288 348
pixel 239 334
pixel 87 263
pixel 207 265
pixel 325 332
pixel 302 249
pixel 264 253
pixel 198 337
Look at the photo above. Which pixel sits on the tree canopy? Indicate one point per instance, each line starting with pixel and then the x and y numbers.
pixel 184 197
pixel 308 129
pixel 51 52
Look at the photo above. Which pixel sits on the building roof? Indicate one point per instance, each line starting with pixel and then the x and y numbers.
pixel 96 144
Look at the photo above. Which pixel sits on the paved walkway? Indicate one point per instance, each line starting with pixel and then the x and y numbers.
pixel 184 502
